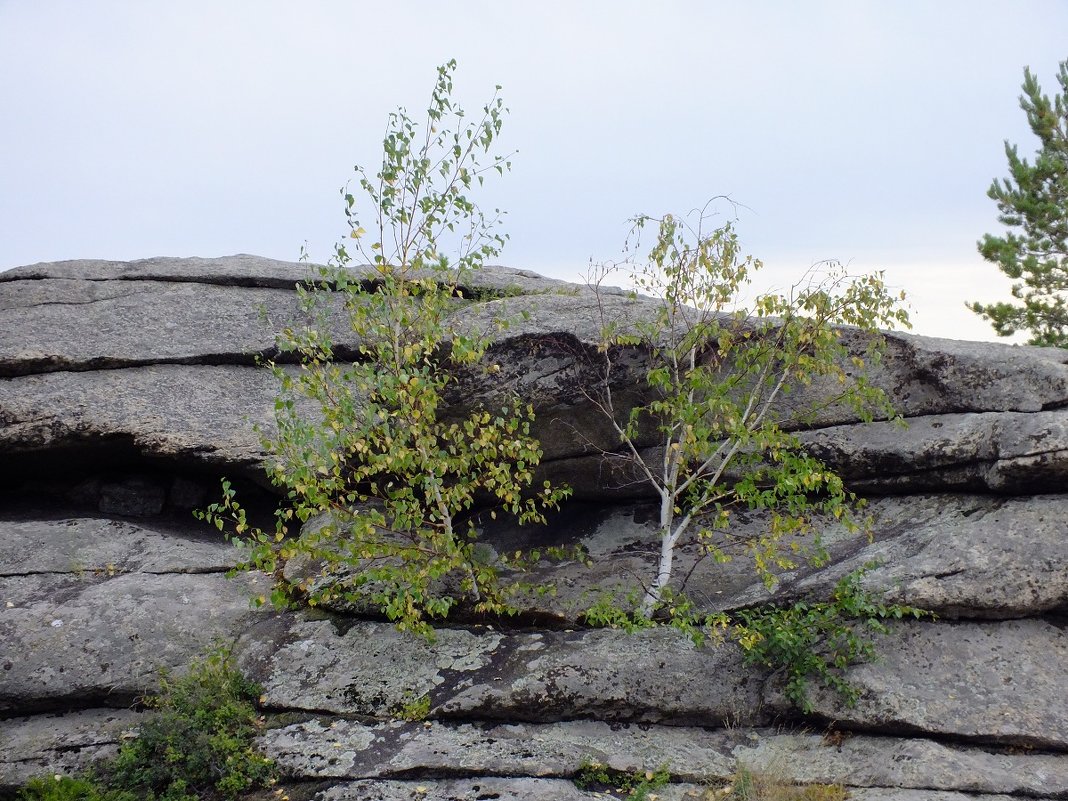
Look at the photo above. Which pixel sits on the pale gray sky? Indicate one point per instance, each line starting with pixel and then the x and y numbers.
pixel 861 131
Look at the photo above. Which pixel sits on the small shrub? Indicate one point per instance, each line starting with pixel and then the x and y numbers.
pixel 819 640
pixel 807 640
pixel 199 742
pixel 198 745
pixel 675 610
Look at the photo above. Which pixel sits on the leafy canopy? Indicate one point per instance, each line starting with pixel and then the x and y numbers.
pixel 392 481
pixel 1033 204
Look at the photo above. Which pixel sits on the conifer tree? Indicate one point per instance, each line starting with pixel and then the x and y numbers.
pixel 1033 203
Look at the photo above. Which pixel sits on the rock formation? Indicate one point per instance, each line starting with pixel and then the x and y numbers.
pixel 128 389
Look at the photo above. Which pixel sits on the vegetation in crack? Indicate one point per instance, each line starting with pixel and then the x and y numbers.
pixel 724 380
pixel 197 745
pixel 383 483
pixel 816 641
pixel 609 782
pixel 807 641
pixel 749 784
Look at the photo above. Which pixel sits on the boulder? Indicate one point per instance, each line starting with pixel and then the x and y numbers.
pixel 128 389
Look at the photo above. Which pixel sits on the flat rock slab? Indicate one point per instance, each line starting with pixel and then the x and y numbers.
pixel 96 315
pixel 198 415
pixel 477 789
pixel 960 556
pixel 45 745
pixel 621 543
pixel 339 748
pixel 1006 452
pixel 85 325
pixel 921 375
pixel 247 271
pixel 206 414
pixel 485 674
pixel 902 763
pixel 991 682
pixel 930 375
pixel 347 749
pixel 91 608
pixel 562 790
pixel 99 545
pixel 69 640
pixel 239 270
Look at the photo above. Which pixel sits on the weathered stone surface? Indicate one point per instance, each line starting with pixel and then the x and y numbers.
pixel 509 789
pixel 921 375
pixel 97 315
pixel 621 543
pixel 503 789
pixel 85 315
pixel 899 762
pixel 1003 452
pixel 81 325
pixel 347 749
pixel 239 270
pixel 989 682
pixel 929 375
pixel 309 665
pixel 484 674
pixel 245 270
pixel 91 608
pixel 83 546
pixel 189 414
pixel 960 556
pixel 646 677
pixel 60 744
pixel 205 415
pixel 94 639
pixel 339 748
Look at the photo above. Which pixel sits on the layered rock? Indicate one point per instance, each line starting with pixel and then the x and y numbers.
pixel 128 389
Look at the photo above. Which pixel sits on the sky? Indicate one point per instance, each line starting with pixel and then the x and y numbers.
pixel 863 132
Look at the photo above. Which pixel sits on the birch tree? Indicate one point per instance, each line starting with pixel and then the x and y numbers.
pixel 713 438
